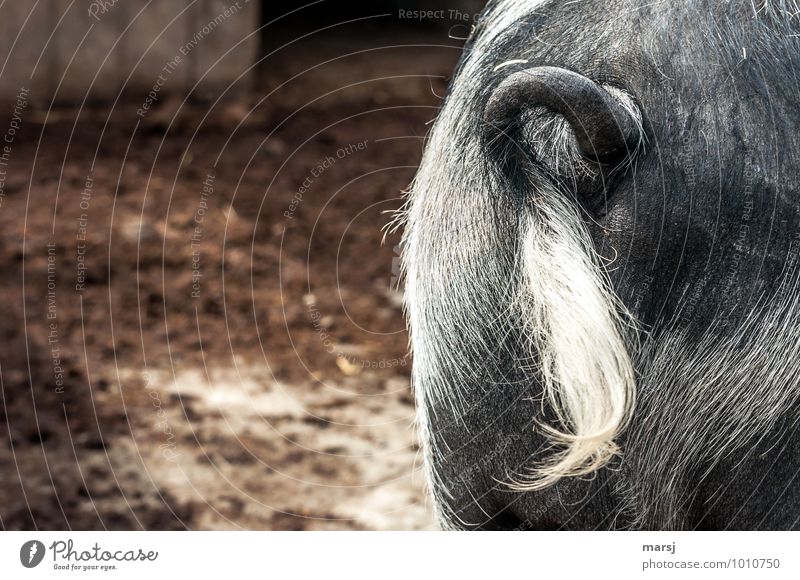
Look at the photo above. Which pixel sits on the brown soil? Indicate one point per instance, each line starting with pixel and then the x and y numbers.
pixel 276 397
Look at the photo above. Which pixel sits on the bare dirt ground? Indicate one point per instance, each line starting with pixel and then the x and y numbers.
pixel 201 325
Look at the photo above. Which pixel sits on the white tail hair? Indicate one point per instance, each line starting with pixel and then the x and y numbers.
pixel 575 328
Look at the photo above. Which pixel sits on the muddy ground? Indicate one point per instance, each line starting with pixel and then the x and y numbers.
pixel 202 327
